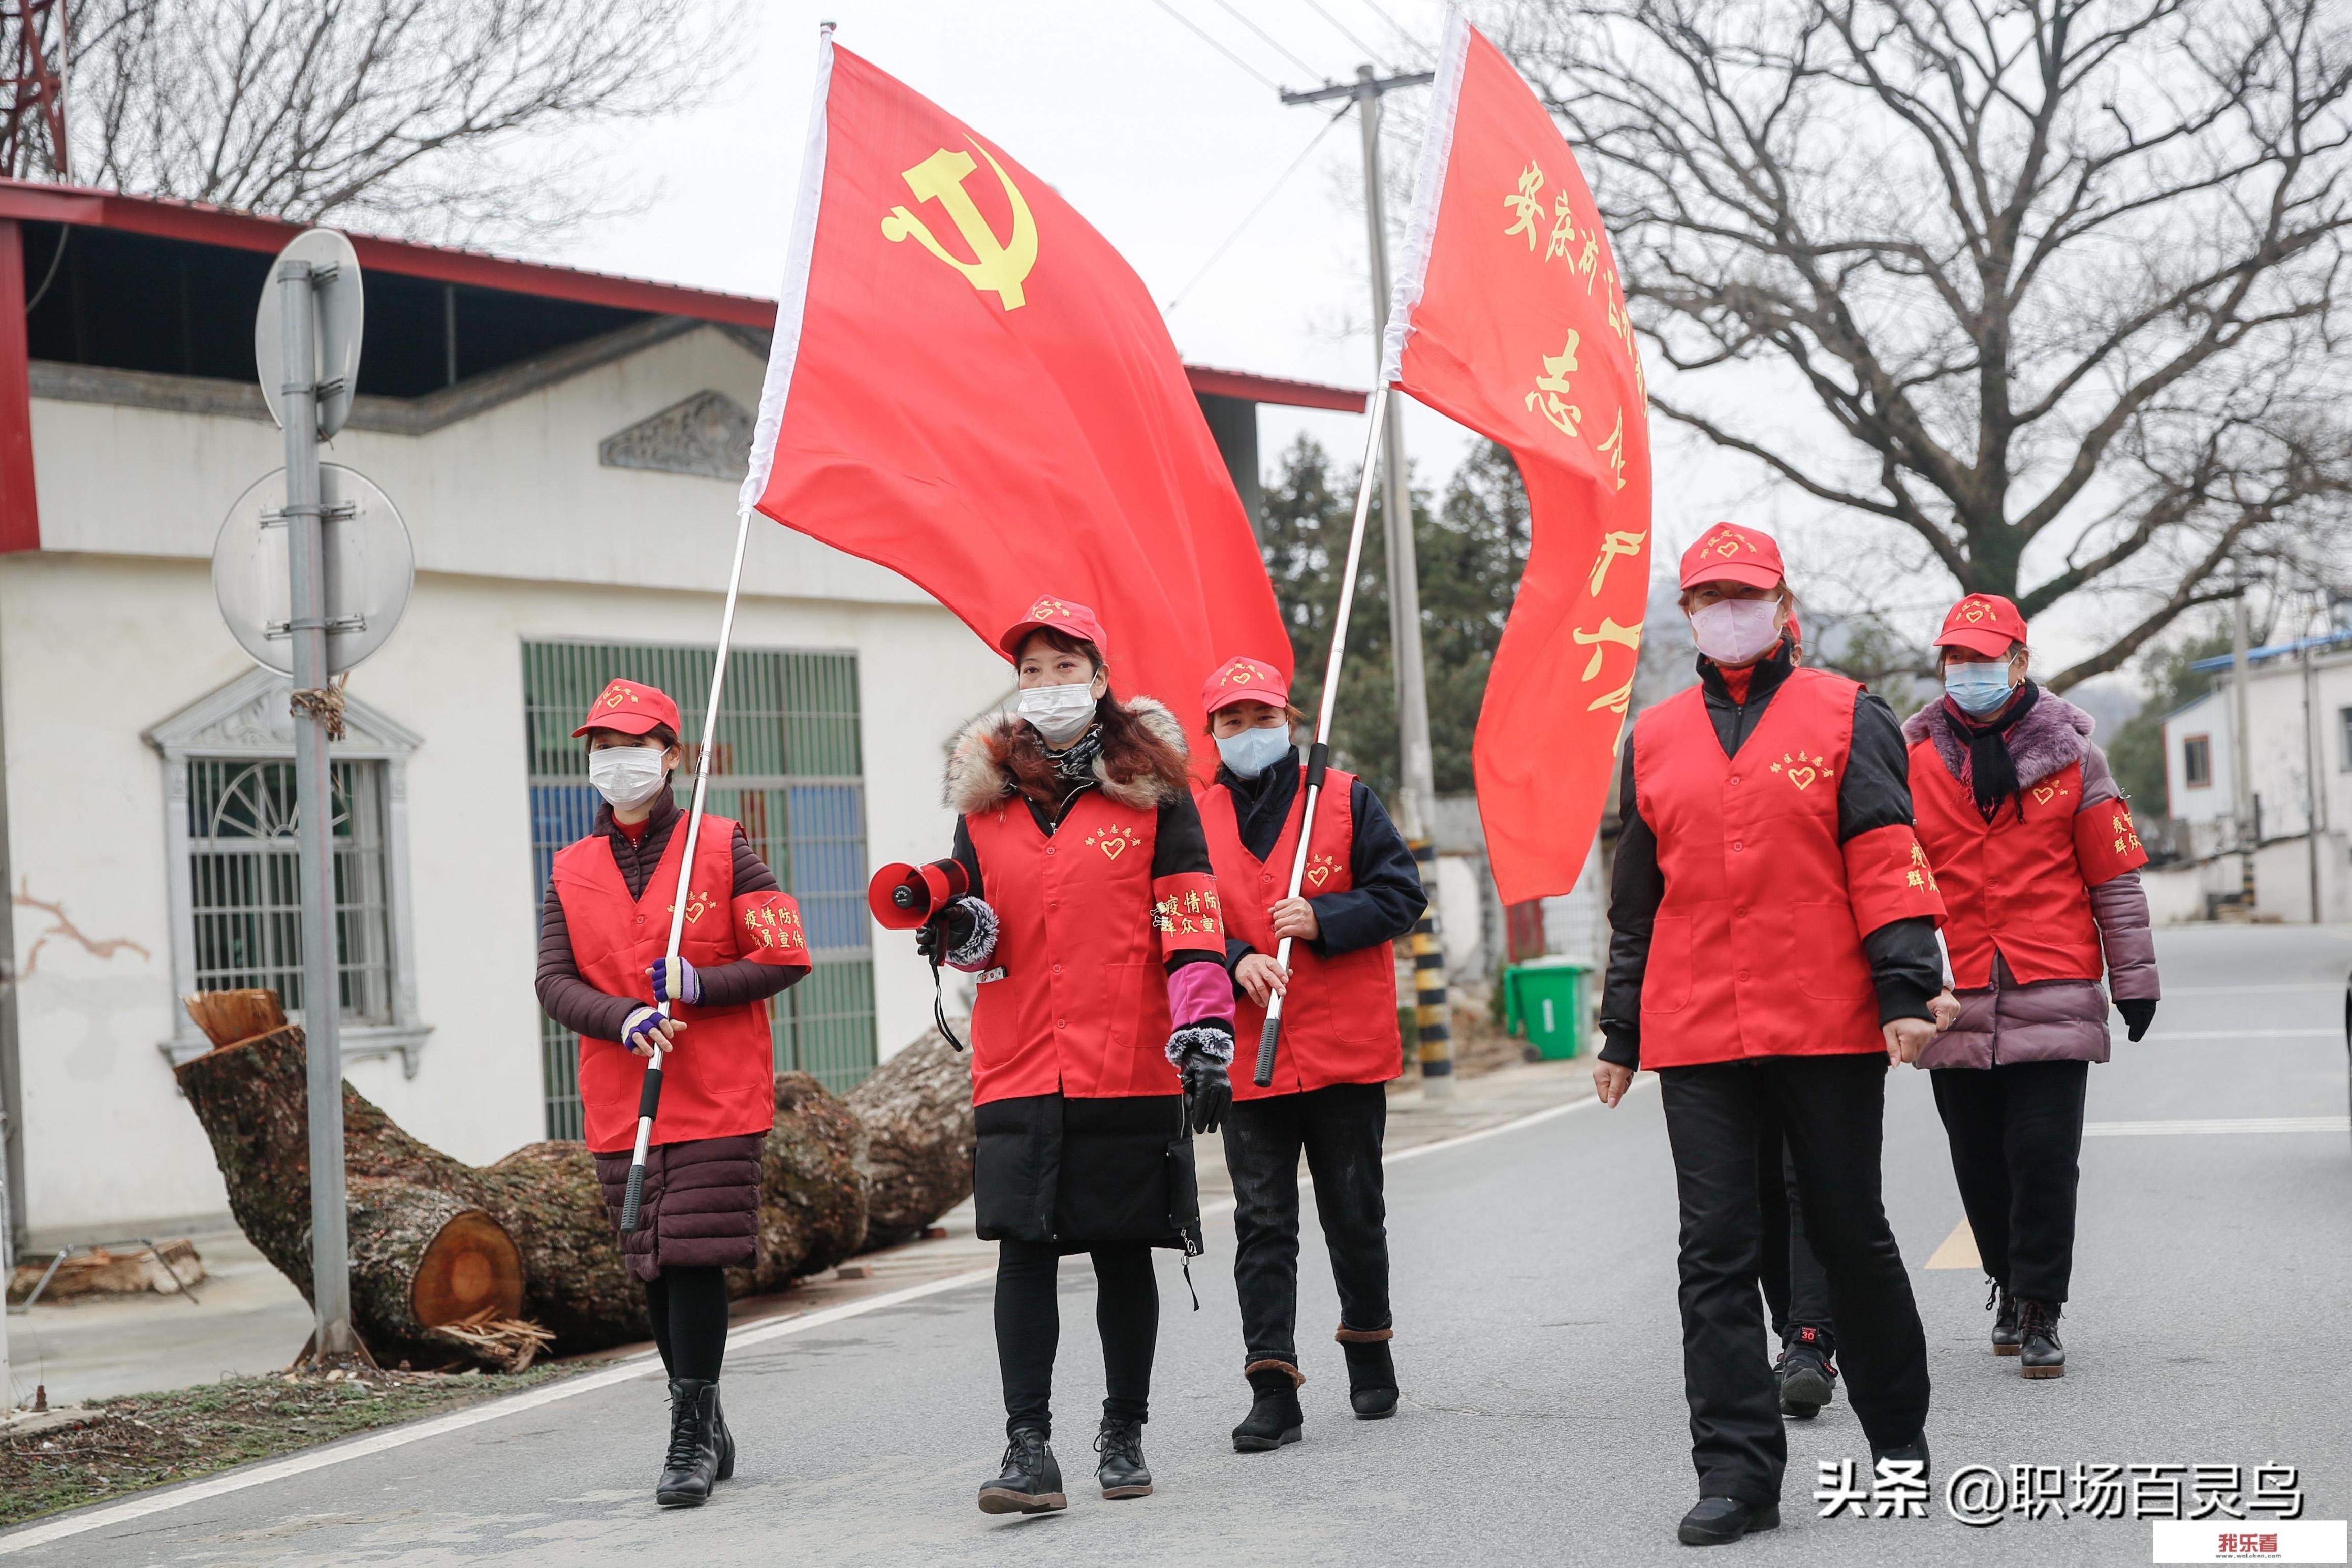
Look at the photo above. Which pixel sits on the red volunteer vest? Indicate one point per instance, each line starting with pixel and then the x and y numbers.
pixel 1339 1022
pixel 1757 949
pixel 720 1081
pixel 2022 887
pixel 1082 1005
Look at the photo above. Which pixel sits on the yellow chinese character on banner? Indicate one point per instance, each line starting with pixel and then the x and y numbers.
pixel 1525 205
pixel 1615 544
pixel 1613 449
pixel 1545 399
pixel 1563 231
pixel 1611 634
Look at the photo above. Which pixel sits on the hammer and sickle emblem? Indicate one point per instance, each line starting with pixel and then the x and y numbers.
pixel 997 268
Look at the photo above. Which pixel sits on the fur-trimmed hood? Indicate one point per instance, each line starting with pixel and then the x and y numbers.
pixel 2052 735
pixel 979 767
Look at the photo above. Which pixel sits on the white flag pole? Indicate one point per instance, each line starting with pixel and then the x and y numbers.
pixel 649 1096
pixel 1319 756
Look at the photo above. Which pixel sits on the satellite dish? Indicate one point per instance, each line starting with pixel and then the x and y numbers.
pixel 369 561
pixel 342 312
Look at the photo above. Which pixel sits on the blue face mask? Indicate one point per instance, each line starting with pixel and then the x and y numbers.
pixel 1978 688
pixel 1253 751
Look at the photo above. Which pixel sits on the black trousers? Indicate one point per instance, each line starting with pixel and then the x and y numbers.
pixel 1796 1292
pixel 1029 1329
pixel 2016 1130
pixel 1831 1109
pixel 688 1308
pixel 1340 1129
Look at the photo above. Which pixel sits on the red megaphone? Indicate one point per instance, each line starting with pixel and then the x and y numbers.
pixel 903 897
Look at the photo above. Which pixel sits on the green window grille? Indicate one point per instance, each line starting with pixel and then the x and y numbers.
pixel 245 895
pixel 787 768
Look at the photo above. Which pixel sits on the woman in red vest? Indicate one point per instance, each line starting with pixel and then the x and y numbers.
pixel 1773 949
pixel 2034 849
pixel 604 965
pixel 1339 1042
pixel 1103 1012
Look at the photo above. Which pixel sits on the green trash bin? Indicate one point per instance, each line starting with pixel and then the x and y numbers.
pixel 1543 999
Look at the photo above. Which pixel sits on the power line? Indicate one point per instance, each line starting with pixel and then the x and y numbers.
pixel 1397 28
pixel 1212 43
pixel 1342 29
pixel 1271 190
pixel 1226 6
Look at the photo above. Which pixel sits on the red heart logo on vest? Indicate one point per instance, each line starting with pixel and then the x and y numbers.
pixel 1802 777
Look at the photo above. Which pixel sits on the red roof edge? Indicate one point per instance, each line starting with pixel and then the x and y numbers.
pixel 203 225
pixel 1273 389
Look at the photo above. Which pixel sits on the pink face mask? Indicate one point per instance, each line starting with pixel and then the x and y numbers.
pixel 1736 630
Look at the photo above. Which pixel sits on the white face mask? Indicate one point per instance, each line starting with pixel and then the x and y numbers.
pixel 627 775
pixel 1736 630
pixel 1060 714
pixel 1254 750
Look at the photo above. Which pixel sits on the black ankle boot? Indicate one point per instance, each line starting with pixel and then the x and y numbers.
pixel 2039 1352
pixel 2003 1306
pixel 1720 1520
pixel 1031 1481
pixel 726 1444
pixel 692 1463
pixel 1121 1470
pixel 1274 1416
pixel 1808 1375
pixel 1372 1380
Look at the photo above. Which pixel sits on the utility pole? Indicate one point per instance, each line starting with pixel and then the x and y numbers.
pixel 2241 767
pixel 1416 797
pixel 304 520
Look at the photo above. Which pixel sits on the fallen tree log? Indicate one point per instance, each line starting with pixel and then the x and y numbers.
pixel 919 1135
pixel 421 1259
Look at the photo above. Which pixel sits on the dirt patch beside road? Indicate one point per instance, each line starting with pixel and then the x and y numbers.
pixel 142 1440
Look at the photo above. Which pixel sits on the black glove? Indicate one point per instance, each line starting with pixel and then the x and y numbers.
pixel 957 924
pixel 2139 1013
pixel 1208 1091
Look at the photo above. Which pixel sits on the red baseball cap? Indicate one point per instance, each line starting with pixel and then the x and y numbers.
pixel 1245 680
pixel 1982 623
pixel 632 708
pixel 1729 553
pixel 1051 614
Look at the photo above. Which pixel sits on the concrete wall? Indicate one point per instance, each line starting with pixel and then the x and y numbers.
pixel 521 535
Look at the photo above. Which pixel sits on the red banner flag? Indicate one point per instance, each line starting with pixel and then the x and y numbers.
pixel 970 387
pixel 1508 317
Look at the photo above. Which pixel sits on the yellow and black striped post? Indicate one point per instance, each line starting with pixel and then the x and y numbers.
pixel 1429 1011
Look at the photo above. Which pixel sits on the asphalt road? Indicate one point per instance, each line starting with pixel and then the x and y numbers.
pixel 1543 1419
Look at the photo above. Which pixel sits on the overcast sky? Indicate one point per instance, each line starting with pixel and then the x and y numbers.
pixel 1166 144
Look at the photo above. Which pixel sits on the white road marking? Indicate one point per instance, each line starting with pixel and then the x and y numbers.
pixel 1959 1250
pixel 2168 1037
pixel 2218 1124
pixel 643 1364
pixel 2306 988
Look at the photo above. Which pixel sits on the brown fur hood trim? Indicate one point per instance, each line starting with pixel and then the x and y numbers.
pixel 1143 762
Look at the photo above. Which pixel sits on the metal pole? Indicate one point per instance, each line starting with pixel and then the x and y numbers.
pixel 7 1277
pixel 649 1095
pixel 2314 810
pixel 2241 768
pixel 1417 789
pixel 331 1285
pixel 1318 755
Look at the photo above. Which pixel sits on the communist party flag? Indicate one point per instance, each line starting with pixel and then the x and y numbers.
pixel 1508 317
pixel 970 387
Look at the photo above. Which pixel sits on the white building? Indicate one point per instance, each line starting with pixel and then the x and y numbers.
pixel 565 448
pixel 2299 726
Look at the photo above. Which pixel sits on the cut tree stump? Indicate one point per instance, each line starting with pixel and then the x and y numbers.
pixel 916 1108
pixel 422 1258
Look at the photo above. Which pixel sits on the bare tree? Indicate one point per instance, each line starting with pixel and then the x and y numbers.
pixel 431 117
pixel 2064 276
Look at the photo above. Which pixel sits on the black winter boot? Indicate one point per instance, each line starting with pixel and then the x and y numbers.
pixel 2039 1352
pixel 2003 1306
pixel 1808 1376
pixel 1274 1416
pixel 1372 1381
pixel 692 1463
pixel 726 1471
pixel 1121 1470
pixel 1720 1520
pixel 1031 1481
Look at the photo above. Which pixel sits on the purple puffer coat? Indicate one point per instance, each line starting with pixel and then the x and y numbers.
pixel 2050 1021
